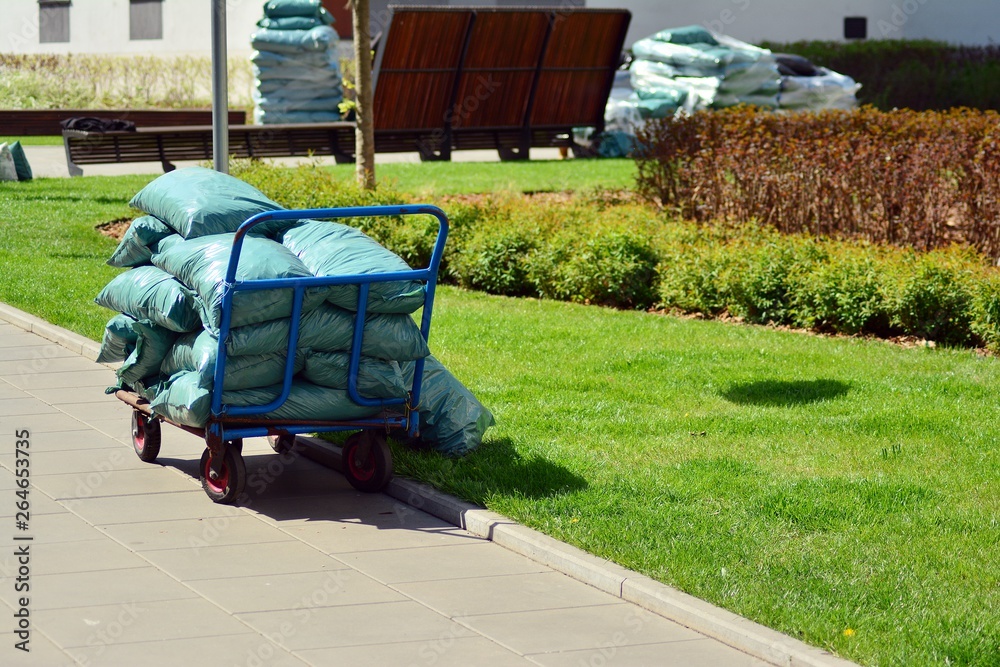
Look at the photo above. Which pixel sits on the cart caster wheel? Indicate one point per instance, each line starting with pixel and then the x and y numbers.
pixel 282 444
pixel 145 436
pixel 228 485
pixel 367 461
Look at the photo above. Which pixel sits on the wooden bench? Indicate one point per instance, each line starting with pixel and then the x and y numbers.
pixel 167 145
pixel 46 122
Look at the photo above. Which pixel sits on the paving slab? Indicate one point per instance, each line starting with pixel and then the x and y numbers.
pixel 132 564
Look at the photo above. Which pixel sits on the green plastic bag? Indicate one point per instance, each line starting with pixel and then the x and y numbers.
pixel 452 420
pixel 201 264
pixel 393 337
pixel 140 241
pixel 184 401
pixel 376 378
pixel 21 165
pixel 198 351
pixel 320 38
pixel 196 201
pixel 118 341
pixel 333 249
pixel 151 347
pixel 149 293
pixel 279 8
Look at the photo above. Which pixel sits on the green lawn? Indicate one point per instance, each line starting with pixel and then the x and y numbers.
pixel 839 490
pixel 433 178
pixel 34 141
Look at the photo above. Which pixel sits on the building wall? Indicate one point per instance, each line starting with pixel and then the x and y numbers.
pixel 956 21
pixel 102 26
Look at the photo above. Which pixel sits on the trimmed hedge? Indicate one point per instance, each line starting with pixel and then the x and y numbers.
pixel 630 255
pixel 919 179
pixel 910 74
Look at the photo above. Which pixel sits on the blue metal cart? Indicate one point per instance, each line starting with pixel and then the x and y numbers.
pixel 367 460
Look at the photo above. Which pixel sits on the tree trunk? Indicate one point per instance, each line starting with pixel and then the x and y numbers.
pixel 364 135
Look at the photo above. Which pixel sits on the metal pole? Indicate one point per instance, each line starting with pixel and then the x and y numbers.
pixel 220 89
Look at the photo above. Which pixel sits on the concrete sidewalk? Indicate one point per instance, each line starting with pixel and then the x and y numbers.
pixel 131 563
pixel 50 161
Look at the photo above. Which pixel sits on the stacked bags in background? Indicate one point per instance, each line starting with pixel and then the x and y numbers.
pixel 296 66
pixel 169 313
pixel 684 70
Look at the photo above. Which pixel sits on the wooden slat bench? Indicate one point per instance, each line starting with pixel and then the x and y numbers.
pixel 45 122
pixel 167 145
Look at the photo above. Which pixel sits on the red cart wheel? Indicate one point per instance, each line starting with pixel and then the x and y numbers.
pixel 227 485
pixel 283 443
pixel 145 436
pixel 367 461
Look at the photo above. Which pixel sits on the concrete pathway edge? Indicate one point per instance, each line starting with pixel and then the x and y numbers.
pixel 731 629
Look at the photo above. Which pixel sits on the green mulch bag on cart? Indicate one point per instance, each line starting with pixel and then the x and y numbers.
pixel 452 420
pixel 140 241
pixel 201 264
pixel 196 201
pixel 152 344
pixel 118 341
pixel 149 293
pixel 330 329
pixel 185 401
pixel 376 378
pixel 198 351
pixel 333 249
pixel 279 8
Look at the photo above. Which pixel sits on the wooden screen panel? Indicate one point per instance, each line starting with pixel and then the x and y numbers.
pixel 586 39
pixel 500 66
pixel 504 39
pixel 412 101
pixel 570 98
pixel 578 67
pixel 416 77
pixel 425 40
pixel 492 99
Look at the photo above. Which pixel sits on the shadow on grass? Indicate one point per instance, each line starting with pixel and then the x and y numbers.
pixel 495 468
pixel 785 393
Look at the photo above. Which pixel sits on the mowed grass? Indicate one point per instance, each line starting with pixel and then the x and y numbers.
pixel 839 490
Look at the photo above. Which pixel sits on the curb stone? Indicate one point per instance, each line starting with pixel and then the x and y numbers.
pixel 738 632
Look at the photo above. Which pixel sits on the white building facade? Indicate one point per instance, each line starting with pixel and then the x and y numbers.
pixel 174 27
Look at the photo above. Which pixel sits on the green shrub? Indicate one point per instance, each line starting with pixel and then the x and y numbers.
pixel 762 289
pixel 694 272
pixel 935 300
pixel 496 261
pixel 843 294
pixel 986 311
pixel 609 268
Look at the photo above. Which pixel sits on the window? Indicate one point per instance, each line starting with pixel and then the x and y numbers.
pixel 145 19
pixel 53 21
pixel 855 27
